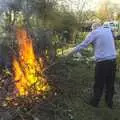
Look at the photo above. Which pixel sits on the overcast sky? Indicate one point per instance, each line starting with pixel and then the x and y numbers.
pixel 89 4
pixel 94 4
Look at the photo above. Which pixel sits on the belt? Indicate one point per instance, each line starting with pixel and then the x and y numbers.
pixel 112 60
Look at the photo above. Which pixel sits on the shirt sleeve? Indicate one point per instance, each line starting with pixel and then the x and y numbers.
pixel 89 39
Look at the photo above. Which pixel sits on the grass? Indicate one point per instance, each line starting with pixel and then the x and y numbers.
pixel 76 87
pixel 73 81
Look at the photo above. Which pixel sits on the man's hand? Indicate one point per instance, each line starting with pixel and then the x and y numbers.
pixel 70 52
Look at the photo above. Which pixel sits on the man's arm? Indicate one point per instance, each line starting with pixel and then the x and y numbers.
pixel 89 39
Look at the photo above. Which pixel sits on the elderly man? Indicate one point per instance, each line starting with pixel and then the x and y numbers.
pixel 105 55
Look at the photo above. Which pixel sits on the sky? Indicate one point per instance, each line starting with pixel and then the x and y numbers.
pixel 74 4
pixel 94 4
pixel 89 4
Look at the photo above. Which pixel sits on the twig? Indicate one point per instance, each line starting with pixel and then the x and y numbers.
pixel 51 65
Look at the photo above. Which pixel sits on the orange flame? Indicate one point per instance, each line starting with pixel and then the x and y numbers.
pixel 28 74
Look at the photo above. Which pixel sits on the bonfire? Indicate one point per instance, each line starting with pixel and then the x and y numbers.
pixel 27 68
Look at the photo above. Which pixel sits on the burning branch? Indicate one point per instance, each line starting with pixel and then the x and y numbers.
pixel 28 72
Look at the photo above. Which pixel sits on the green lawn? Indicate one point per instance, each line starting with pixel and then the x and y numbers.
pixel 75 81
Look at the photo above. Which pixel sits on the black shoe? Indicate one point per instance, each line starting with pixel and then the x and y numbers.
pixel 91 103
pixel 110 106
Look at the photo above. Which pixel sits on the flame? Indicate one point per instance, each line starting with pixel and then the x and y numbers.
pixel 27 69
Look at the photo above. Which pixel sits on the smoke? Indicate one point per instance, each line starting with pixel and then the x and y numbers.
pixel 6 5
pixel 3 6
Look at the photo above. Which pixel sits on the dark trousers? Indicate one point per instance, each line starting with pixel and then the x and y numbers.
pixel 104 79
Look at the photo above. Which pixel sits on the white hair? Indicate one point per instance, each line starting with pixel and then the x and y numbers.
pixel 95 26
